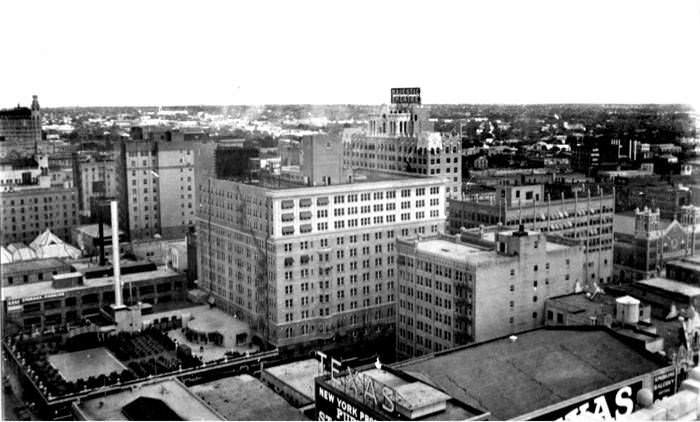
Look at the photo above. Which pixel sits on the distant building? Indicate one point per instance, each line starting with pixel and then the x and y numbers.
pixel 32 202
pixel 20 130
pixel 322 160
pixel 400 138
pixel 595 155
pixel 644 242
pixel 637 189
pixel 155 181
pixel 664 294
pixel 96 179
pixel 453 292
pixel 586 217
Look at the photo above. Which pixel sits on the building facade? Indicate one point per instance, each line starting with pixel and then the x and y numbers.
pixel 588 218
pixel 400 137
pixel 155 187
pixel 20 130
pixel 311 265
pixel 96 178
pixel 454 291
pixel 643 248
pixel 67 297
pixel 32 202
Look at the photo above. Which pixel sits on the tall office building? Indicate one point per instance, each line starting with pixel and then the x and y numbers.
pixel 155 184
pixel 587 217
pixel 455 291
pixel 400 138
pixel 308 262
pixel 20 130
pixel 35 199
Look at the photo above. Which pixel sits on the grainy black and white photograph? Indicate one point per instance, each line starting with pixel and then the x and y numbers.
pixel 350 210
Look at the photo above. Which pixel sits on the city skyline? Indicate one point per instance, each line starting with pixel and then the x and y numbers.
pixel 82 54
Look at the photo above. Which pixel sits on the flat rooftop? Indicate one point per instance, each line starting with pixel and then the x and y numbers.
pixel 35 265
pixel 691 263
pixel 415 393
pixel 541 368
pixel 450 249
pixel 551 245
pixel 244 398
pixel 46 287
pixel 298 375
pixel 671 286
pixel 172 392
pixel 93 230
pixel 205 319
pixel 383 180
pixel 579 302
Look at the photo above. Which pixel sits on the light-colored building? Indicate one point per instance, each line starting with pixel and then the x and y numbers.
pixel 155 186
pixel 32 202
pixel 311 265
pixel 67 297
pixel 587 217
pixel 400 138
pixel 454 291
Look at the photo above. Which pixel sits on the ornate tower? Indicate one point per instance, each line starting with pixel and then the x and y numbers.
pixel 36 122
pixel 646 222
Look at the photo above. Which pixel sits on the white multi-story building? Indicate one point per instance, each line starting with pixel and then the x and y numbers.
pixel 156 187
pixel 399 137
pixel 455 291
pixel 309 265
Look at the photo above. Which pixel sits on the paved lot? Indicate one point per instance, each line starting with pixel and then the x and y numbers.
pixel 85 363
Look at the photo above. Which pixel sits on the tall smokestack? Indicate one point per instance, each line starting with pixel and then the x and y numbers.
pixel 118 302
pixel 100 213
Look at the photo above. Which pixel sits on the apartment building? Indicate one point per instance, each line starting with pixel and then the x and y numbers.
pixel 155 186
pixel 34 199
pixel 586 216
pixel 458 290
pixel 308 266
pixel 399 137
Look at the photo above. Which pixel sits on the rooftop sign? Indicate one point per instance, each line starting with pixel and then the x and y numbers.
pixel 405 95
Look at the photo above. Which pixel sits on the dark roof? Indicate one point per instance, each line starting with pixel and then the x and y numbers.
pixel 149 409
pixel 16 113
pixel 541 368
pixel 18 163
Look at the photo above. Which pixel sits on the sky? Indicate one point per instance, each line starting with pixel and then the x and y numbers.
pixel 149 52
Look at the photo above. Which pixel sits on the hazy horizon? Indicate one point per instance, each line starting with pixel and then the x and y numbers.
pixel 158 53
